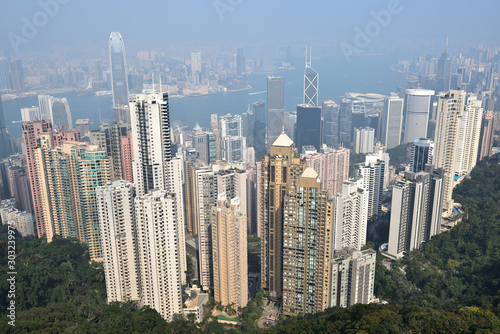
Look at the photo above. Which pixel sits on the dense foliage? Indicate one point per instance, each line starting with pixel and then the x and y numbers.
pixel 392 318
pixel 56 272
pixel 460 267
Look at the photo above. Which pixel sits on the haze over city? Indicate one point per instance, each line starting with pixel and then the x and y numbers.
pixel 249 166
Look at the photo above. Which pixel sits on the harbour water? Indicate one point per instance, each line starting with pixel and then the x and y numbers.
pixel 367 74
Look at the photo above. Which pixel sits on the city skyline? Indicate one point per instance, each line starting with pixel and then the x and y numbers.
pixel 224 180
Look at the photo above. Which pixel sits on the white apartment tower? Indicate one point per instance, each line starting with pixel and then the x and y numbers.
pixel 469 133
pixel 374 175
pixel 350 215
pixel 175 169
pixel 116 211
pixel 450 112
pixel 416 209
pixel 149 113
pixel 159 253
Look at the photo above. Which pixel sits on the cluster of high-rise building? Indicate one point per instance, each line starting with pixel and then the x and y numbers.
pixel 146 195
pixel 303 227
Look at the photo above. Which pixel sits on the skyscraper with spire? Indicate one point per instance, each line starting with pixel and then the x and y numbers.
pixel 311 78
pixel 444 71
pixel 279 170
pixel 118 65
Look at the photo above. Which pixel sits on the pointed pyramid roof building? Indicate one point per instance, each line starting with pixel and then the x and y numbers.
pixel 310 173
pixel 283 140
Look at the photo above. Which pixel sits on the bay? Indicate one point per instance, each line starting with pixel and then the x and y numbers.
pixel 364 74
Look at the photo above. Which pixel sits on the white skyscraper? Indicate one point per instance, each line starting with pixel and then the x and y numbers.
pixel 61 114
pixel 373 173
pixel 159 253
pixel 392 121
pixel 116 211
pixel 175 186
pixel 149 113
pixel 363 140
pixel 30 114
pixel 45 106
pixel 417 108
pixel 350 215
pixel 450 111
pixel 416 209
pixel 469 133
pixel 232 141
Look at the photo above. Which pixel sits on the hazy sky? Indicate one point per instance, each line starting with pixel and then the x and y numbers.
pixel 154 24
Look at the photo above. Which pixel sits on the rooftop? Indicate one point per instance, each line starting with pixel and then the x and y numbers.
pixel 283 140
pixel 310 173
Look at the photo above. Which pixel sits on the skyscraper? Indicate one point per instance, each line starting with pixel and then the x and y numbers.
pixel 275 108
pixel 392 121
pixel 5 141
pixel 487 135
pixel 417 203
pixel 350 218
pixel 450 111
pixel 196 67
pixel 209 183
pixel 31 131
pixel 417 108
pixel 175 170
pixel 109 137
pixel 127 156
pixel 259 130
pixel 61 114
pixel 159 253
pixel 278 170
pixel 444 72
pixel 469 133
pixel 373 172
pixel 422 151
pixel 118 64
pixel 68 175
pixel 240 62
pixel 331 112
pixel 45 106
pixel 5 83
pixel 309 127
pixel 332 166
pixel 311 78
pixel 31 114
pixel 306 244
pixel 363 140
pixel 345 123
pixel 17 75
pixel 151 140
pixel 118 229
pixel 214 127
pixel 233 143
pixel 229 239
